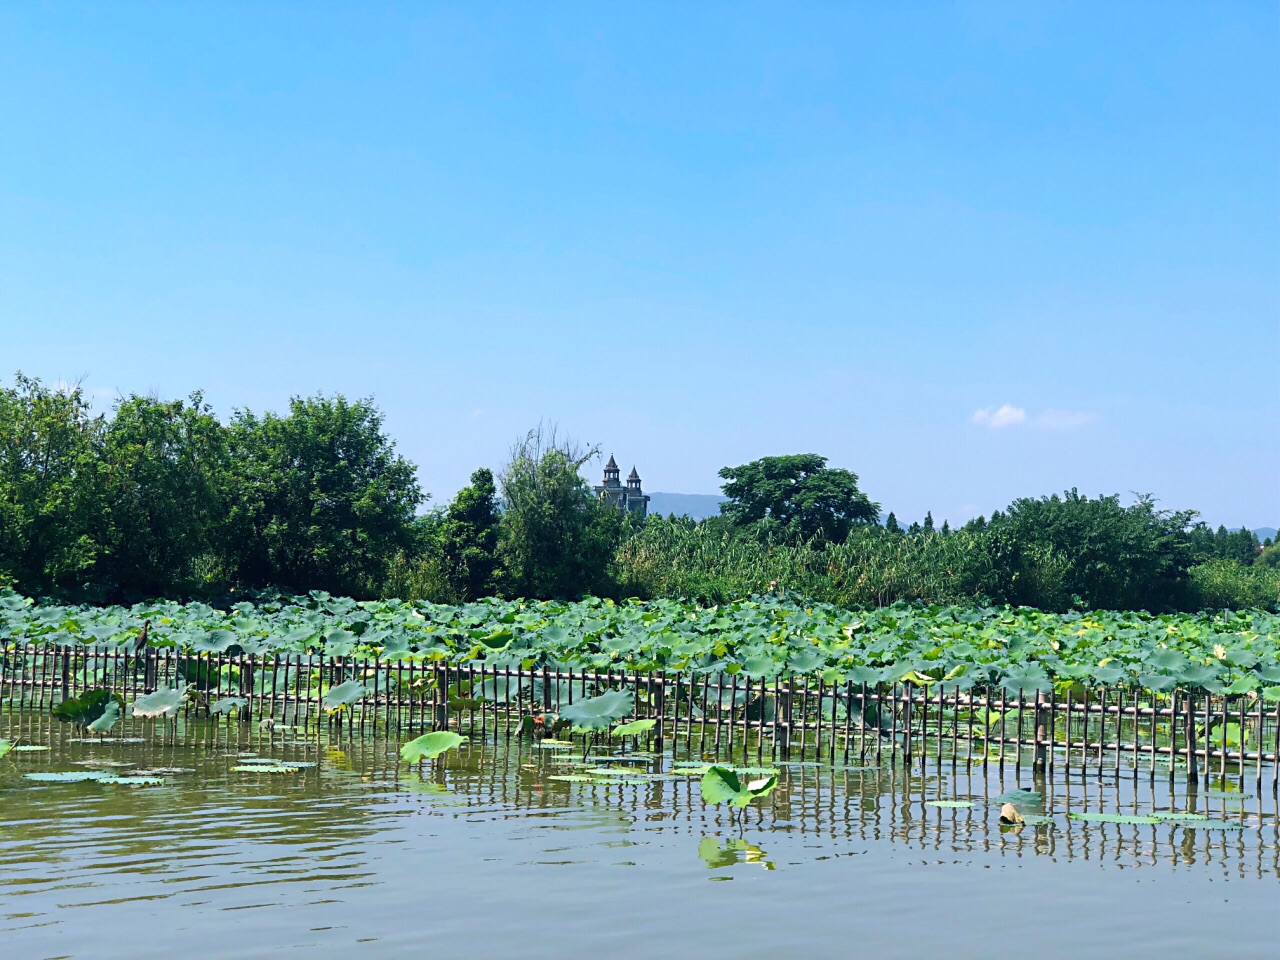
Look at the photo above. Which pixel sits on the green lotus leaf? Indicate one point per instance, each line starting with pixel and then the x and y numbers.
pixel 599 713
pixel 343 696
pixel 634 728
pixel 5 747
pixel 95 710
pixel 1111 818
pixel 429 746
pixel 1157 683
pixel 66 776
pixel 136 781
pixel 228 705
pixel 1209 824
pixel 948 803
pixel 721 785
pixel 1108 675
pixel 165 702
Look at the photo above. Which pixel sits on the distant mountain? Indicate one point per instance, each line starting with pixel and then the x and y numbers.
pixel 1262 533
pixel 699 506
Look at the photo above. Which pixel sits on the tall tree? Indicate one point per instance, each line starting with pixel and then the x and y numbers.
pixel 555 539
pixel 891 524
pixel 320 499
pixel 469 538
pixel 1117 557
pixel 49 486
pixel 799 491
pixel 164 470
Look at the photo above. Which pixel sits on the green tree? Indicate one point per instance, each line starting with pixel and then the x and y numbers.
pixel 799 491
pixel 163 475
pixel 928 522
pixel 320 499
pixel 1110 556
pixel 469 538
pixel 49 486
pixel 555 539
pixel 891 524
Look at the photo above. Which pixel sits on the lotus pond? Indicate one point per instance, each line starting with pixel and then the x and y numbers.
pixel 1232 653
pixel 220 839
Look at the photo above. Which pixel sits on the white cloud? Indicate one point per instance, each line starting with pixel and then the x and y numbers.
pixel 1008 415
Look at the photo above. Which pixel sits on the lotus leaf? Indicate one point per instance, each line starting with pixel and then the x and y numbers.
pixel 343 696
pixel 1111 818
pixel 429 746
pixel 95 710
pixel 721 785
pixel 165 702
pixel 634 728
pixel 599 713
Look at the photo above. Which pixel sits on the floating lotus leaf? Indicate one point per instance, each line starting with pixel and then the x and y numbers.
pixel 1111 818
pixel 266 768
pixel 948 803
pixel 5 747
pixel 65 776
pixel 135 781
pixel 29 748
pixel 228 705
pixel 1208 824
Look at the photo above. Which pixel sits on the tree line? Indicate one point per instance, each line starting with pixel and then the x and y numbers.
pixel 161 498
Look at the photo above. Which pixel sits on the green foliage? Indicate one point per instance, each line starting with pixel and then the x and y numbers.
pixel 320 499
pixel 96 710
pixel 429 746
pixel 163 487
pixel 49 486
pixel 599 713
pixel 165 702
pixel 633 729
pixel 1107 555
pixel 469 539
pixel 555 539
pixel 800 492
pixel 1224 584
pixel 721 785
pixel 958 647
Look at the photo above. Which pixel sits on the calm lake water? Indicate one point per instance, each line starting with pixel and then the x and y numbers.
pixel 481 854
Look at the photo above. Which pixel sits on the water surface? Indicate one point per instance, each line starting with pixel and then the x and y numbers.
pixel 482 854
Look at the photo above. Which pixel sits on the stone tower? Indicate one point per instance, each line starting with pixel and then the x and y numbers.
pixel 631 497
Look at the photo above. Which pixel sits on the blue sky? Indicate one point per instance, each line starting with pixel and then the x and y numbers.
pixel 971 251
